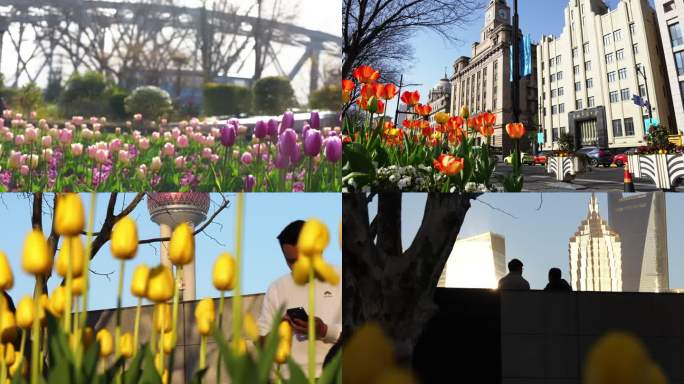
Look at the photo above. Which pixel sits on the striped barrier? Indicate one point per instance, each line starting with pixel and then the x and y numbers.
pixel 564 167
pixel 666 171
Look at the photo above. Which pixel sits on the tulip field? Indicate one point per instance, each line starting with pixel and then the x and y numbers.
pixel 81 155
pixel 47 338
pixel 452 154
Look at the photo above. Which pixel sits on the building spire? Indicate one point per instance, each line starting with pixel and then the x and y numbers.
pixel 593 204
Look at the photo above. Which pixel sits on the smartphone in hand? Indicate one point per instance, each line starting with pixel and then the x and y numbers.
pixel 297 313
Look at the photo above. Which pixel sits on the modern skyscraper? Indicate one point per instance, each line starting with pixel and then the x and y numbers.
pixel 482 82
pixel 640 220
pixel 670 19
pixel 595 254
pixel 588 75
pixel 475 262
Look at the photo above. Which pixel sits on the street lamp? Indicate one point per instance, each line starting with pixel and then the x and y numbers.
pixel 648 98
pixel 516 75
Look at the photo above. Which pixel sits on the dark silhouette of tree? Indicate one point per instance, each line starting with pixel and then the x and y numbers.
pixel 376 32
pixel 389 285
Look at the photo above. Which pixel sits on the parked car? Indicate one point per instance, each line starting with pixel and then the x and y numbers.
pixel 525 159
pixel 540 158
pixel 620 159
pixel 596 156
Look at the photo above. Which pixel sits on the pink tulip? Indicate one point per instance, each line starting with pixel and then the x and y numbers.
pixel 33 159
pixel 124 157
pixel 142 171
pixel 19 140
pixel 138 117
pixel 24 170
pixel 214 158
pixel 246 158
pixel 87 134
pixel 47 154
pixel 93 119
pixel 180 162
pixel 206 153
pixel 175 132
pixel 15 159
pixel 156 164
pixel 168 149
pixel 117 130
pixel 9 136
pixel 115 145
pixel 182 141
pixel 65 136
pixel 144 143
pixel 76 149
pixel 167 136
pixel 164 121
pixel 31 134
pixel 101 155
pixel 46 141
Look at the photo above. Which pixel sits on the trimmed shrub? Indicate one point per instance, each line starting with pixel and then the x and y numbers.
pixel 84 94
pixel 326 98
pixel 273 95
pixel 226 99
pixel 152 102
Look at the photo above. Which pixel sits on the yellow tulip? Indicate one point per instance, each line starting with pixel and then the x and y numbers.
pixel 165 377
pixel 653 374
pixel 285 331
pixel 282 352
pixel 139 282
pixel 313 238
pixel 182 245
pixel 124 239
pixel 325 272
pixel 8 327
pixel 205 316
pixel 57 303
pixel 441 117
pixel 157 317
pixel 43 305
pixel 169 342
pixel 160 284
pixel 284 342
pixel 615 358
pixel 250 327
pixel 69 215
pixel 36 258
pixel 105 339
pixel 369 340
pixel 88 336
pixel 7 353
pixel 72 247
pixel 25 312
pixel 18 359
pixel 241 347
pixel 465 112
pixel 158 362
pixel 6 278
pixel 300 270
pixel 77 286
pixel 126 345
pixel 224 272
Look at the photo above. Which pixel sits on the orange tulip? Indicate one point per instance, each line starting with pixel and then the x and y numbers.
pixel 487 118
pixel 366 74
pixel 472 122
pixel 347 89
pixel 515 130
pixel 381 107
pixel 387 91
pixel 448 164
pixel 410 98
pixel 423 109
pixel 486 130
pixel 455 123
pixel 392 135
pixel 369 90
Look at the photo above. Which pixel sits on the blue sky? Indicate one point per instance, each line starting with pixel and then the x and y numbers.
pixel 265 216
pixel 540 237
pixel 433 53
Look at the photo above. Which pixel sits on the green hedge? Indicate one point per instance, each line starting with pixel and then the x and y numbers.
pixel 226 99
pixel 273 95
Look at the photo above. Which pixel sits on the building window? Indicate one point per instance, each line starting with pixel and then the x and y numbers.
pixel 606 39
pixel 585 47
pixel 587 66
pixel 554 109
pixel 552 62
pixel 574 52
pixel 624 94
pixel 553 77
pixel 559 76
pixel 629 127
pixel 617 128
pixel 590 83
pixel 553 93
pixel 554 134
pixel 642 90
pixel 617 35
pixel 558 60
pixel 560 91
pixel 590 102
pixel 578 86
pixel 578 104
pixel 614 97
pixel 681 90
pixel 675 34
pixel 622 73
pixel 544 111
pixel 632 29
pixel 669 6
pixel 576 70
pixel 620 54
pixel 609 58
pixel 542 65
pixel 679 62
pixel 611 76
pixel 561 108
pixel 635 48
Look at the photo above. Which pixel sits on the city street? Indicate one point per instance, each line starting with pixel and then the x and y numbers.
pixel 597 179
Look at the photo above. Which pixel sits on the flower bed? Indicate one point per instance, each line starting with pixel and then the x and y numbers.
pixel 78 155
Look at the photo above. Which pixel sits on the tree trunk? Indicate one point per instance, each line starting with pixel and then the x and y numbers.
pixel 385 284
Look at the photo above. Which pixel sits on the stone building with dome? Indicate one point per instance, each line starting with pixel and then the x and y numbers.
pixel 439 97
pixel 482 81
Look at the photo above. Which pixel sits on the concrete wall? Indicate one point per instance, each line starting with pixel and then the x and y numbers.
pixel 187 349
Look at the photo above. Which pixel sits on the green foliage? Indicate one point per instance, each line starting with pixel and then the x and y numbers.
pixel 327 98
pixel 566 142
pixel 85 95
pixel 29 98
pixel 53 91
pixel 152 102
pixel 226 99
pixel 273 95
pixel 116 98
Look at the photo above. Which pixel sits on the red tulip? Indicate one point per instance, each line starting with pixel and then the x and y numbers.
pixel 448 164
pixel 366 74
pixel 515 130
pixel 369 90
pixel 410 98
pixel 387 91
pixel 423 109
pixel 487 118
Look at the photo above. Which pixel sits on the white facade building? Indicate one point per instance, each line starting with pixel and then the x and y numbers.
pixel 439 97
pixel 587 76
pixel 595 254
pixel 475 262
pixel 670 19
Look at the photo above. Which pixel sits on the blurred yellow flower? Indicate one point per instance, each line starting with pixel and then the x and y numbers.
pixel 157 317
pixel 465 112
pixel 224 272
pixel 35 256
pixel 160 284
pixel 124 239
pixel 25 312
pixel 77 286
pixel 205 315
pixel 18 359
pixel 8 327
pixel 325 272
pixel 441 117
pixel 139 281
pixel 284 342
pixel 300 270
pixel 69 215
pixel 616 358
pixel 57 304
pixel 169 342
pixel 313 238
pixel 73 248
pixel 88 336
pixel 7 353
pixel 105 339
pixel 6 277
pixel 182 245
pixel 126 345
pixel 250 327
pixel 368 340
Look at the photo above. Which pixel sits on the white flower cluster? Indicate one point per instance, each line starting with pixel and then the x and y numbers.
pixel 418 178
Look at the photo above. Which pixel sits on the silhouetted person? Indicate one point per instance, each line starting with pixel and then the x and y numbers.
pixel 514 279
pixel 556 282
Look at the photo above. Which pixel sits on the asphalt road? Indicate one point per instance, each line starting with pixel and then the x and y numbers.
pixel 597 179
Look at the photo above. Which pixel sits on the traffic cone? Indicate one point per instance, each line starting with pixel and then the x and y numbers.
pixel 629 185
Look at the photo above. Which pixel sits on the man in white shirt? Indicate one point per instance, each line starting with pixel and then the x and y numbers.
pixel 284 293
pixel 513 280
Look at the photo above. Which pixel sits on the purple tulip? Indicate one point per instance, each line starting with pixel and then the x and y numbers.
pixel 234 122
pixel 249 183
pixel 287 121
pixel 305 129
pixel 260 129
pixel 313 142
pixel 282 161
pixel 273 127
pixel 287 141
pixel 315 120
pixel 228 134
pixel 295 155
pixel 333 149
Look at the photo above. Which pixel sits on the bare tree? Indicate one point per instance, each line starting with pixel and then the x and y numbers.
pixel 376 32
pixel 384 283
pixel 264 31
